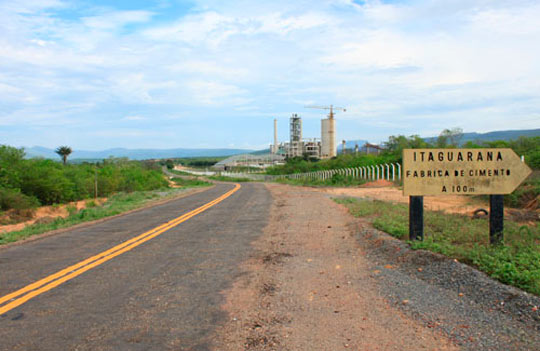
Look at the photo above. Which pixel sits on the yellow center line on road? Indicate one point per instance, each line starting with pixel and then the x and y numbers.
pixel 71 272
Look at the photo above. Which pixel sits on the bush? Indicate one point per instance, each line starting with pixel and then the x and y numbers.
pixel 525 193
pixel 51 182
pixel 13 199
pixel 534 159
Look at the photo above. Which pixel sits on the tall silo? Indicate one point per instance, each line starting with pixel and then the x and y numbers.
pixel 328 137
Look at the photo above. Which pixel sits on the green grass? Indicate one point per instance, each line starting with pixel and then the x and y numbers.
pixel 516 262
pixel 229 179
pixel 116 204
pixel 191 182
pixel 337 180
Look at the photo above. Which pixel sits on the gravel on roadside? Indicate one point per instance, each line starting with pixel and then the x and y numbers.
pixel 473 310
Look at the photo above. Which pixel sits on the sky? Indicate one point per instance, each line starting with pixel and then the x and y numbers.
pixel 214 74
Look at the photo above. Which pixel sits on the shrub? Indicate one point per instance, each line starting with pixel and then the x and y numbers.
pixel 13 199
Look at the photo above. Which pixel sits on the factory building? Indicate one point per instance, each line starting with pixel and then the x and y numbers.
pixel 313 147
pixel 296 145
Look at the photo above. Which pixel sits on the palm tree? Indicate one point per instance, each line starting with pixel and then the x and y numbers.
pixel 64 152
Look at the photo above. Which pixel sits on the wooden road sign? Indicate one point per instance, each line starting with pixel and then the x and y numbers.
pixel 462 171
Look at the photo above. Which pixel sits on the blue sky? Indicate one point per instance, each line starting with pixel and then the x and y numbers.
pixel 166 74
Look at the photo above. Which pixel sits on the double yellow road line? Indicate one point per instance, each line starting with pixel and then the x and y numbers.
pixel 30 291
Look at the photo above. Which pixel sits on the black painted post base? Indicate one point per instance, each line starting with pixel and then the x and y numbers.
pixel 496 219
pixel 416 218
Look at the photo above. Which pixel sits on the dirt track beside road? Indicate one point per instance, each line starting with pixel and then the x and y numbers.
pixel 309 287
pixel 320 279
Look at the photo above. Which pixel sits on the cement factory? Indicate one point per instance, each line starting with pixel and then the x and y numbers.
pixel 297 146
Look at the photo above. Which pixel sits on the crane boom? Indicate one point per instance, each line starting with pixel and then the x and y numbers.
pixel 331 108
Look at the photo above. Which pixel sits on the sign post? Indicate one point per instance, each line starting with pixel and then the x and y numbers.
pixel 496 219
pixel 416 218
pixel 494 172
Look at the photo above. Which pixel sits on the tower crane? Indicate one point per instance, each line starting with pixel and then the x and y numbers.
pixel 331 108
pixel 328 131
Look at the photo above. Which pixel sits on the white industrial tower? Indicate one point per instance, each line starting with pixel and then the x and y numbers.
pixel 275 147
pixel 328 131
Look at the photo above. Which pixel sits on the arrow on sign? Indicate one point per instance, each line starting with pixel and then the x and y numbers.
pixel 462 171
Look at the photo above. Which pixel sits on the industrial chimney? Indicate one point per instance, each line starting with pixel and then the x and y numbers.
pixel 276 147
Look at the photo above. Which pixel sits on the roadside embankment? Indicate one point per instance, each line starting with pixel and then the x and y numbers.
pixel 93 211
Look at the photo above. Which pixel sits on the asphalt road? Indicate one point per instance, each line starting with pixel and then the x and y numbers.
pixel 163 294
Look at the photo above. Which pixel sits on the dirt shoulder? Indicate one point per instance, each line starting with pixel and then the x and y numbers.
pixel 320 279
pixel 386 192
pixel 309 287
pixel 51 212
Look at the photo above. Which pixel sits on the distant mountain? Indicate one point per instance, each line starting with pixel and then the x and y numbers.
pixel 134 154
pixel 497 135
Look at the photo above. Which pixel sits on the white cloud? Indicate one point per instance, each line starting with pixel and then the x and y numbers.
pixel 215 93
pixel 216 69
pixel 518 20
pixel 421 64
pixel 116 19
pixel 375 49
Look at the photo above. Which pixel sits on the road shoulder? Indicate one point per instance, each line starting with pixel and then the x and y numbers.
pixel 308 286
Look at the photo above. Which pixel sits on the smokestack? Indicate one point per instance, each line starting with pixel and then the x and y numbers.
pixel 275 137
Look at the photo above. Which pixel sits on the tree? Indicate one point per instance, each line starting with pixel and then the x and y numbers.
pixel 449 138
pixel 64 152
pixel 10 164
pixel 396 144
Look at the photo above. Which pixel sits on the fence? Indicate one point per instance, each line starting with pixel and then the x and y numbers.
pixel 388 171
